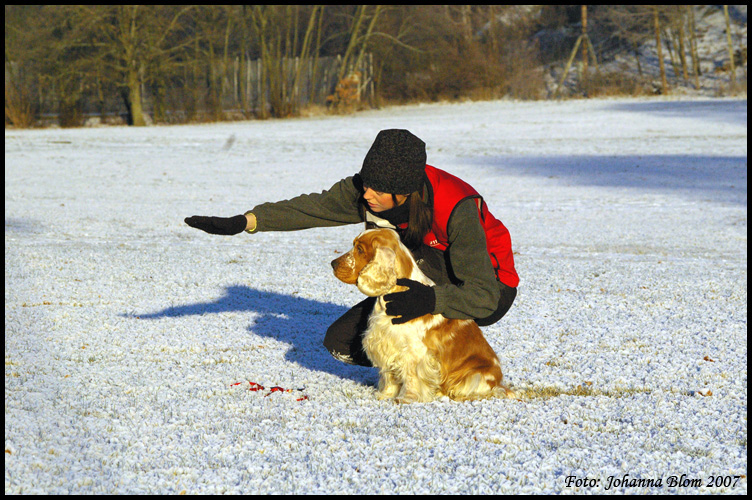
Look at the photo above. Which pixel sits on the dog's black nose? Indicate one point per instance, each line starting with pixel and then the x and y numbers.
pixel 334 264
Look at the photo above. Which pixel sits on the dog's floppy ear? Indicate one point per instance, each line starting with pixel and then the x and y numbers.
pixel 378 276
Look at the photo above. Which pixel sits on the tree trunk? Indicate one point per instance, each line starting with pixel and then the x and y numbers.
pixel 134 97
pixel 682 49
pixel 354 35
pixel 129 40
pixel 693 46
pixel 732 67
pixel 584 81
pixel 657 25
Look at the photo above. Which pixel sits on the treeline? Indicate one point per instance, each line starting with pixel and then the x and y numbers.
pixel 180 63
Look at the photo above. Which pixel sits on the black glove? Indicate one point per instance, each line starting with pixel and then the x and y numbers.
pixel 416 301
pixel 218 225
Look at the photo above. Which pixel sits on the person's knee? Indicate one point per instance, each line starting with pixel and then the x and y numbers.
pixel 350 353
pixel 330 340
pixel 343 338
pixel 338 349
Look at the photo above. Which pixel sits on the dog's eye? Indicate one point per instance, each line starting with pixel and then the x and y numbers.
pixel 359 249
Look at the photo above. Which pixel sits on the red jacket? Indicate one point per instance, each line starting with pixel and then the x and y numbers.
pixel 448 191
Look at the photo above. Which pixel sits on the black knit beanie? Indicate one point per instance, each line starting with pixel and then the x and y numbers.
pixel 395 163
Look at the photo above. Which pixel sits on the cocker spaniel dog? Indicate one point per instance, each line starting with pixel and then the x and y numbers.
pixel 424 358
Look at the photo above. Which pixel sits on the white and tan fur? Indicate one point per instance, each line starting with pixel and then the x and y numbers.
pixel 429 356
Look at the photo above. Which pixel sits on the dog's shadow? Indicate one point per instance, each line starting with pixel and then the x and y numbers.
pixel 296 321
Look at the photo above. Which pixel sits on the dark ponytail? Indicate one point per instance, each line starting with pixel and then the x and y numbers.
pixel 421 218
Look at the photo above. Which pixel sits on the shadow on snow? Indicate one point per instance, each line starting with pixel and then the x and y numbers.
pixel 712 178
pixel 733 111
pixel 296 321
pixel 720 178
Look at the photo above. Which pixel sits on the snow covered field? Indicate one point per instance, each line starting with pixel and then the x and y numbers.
pixel 126 330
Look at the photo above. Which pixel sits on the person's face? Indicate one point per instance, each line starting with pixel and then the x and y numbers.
pixel 378 201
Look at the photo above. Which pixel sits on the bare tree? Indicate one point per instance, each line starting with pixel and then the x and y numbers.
pixel 696 70
pixel 586 39
pixel 131 39
pixel 314 20
pixel 659 48
pixel 732 67
pixel 358 42
pixel 278 33
pixel 22 35
pixel 583 40
pixel 210 56
pixel 677 22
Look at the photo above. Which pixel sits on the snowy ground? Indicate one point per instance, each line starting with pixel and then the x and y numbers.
pixel 125 329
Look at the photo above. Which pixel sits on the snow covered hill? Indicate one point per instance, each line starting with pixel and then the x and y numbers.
pixel 620 62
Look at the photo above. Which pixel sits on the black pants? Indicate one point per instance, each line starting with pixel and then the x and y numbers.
pixel 344 338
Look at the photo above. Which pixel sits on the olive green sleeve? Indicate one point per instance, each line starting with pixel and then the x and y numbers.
pixel 334 207
pixel 478 295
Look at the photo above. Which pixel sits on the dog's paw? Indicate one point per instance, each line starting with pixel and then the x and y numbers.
pixel 382 396
pixel 502 391
pixel 388 391
pixel 411 397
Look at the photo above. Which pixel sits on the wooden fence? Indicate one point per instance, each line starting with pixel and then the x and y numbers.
pixel 317 83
